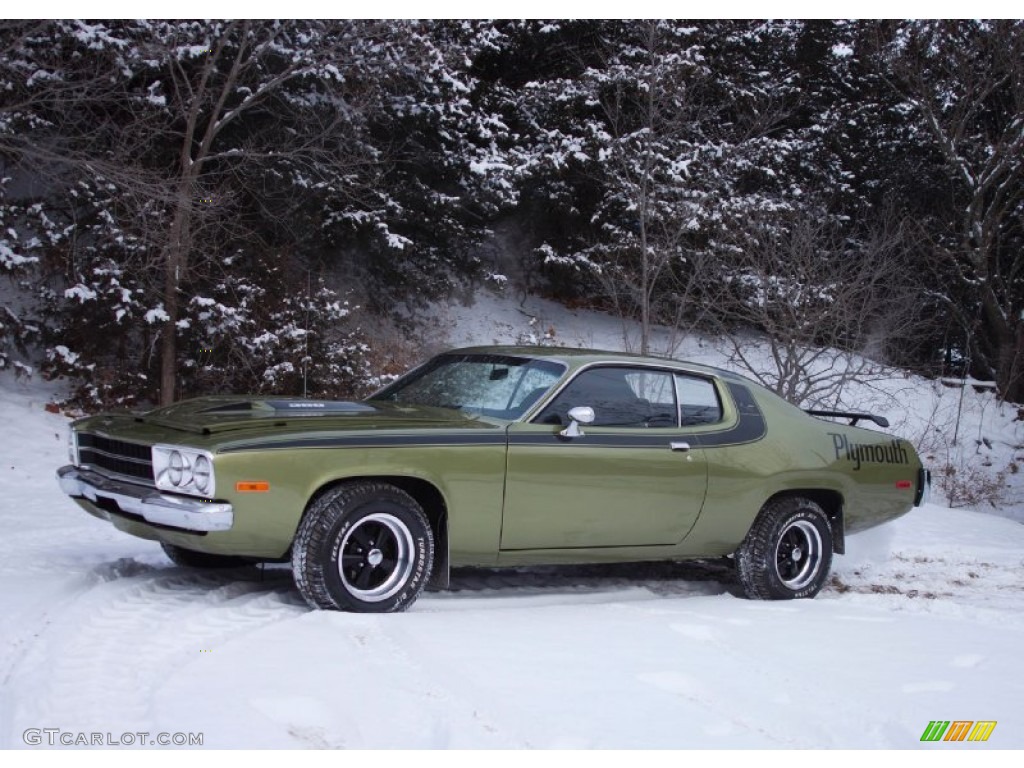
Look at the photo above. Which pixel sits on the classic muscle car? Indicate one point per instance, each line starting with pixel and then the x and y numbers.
pixel 498 456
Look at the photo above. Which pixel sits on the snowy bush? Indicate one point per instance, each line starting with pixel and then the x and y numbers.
pixel 282 334
pixel 966 481
pixel 20 247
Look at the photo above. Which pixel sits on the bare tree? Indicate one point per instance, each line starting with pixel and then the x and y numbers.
pixel 59 117
pixel 247 68
pixel 811 308
pixel 646 90
pixel 193 124
pixel 678 145
pixel 965 81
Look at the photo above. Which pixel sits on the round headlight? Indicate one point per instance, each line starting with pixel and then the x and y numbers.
pixel 201 474
pixel 175 467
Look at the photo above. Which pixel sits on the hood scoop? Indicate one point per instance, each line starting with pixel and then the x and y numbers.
pixel 319 406
pixel 239 407
pixel 294 407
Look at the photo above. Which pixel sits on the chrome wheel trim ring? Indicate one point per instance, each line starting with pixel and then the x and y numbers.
pixel 808 544
pixel 404 547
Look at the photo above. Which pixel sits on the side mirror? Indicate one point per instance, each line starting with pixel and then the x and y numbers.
pixel 581 414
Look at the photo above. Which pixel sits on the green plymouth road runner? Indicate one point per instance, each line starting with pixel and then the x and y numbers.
pixel 498 456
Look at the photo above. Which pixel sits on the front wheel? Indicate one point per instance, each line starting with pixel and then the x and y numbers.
pixel 787 553
pixel 363 547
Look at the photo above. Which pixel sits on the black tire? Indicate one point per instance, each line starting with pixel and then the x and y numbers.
pixel 364 547
pixel 191 559
pixel 787 553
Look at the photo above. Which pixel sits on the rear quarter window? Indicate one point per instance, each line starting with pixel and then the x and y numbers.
pixel 698 401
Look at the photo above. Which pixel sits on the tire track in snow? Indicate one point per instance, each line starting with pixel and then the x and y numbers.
pixel 95 666
pixel 384 653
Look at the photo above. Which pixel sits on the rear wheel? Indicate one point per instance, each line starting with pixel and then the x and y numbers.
pixel 787 553
pixel 364 547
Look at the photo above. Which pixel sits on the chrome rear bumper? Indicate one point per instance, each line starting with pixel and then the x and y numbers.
pixel 149 504
pixel 923 492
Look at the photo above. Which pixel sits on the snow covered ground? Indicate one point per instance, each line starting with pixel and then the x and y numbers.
pixel 923 620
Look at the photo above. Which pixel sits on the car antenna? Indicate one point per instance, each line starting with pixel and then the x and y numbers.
pixel 305 337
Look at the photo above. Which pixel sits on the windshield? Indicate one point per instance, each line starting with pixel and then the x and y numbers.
pixel 490 385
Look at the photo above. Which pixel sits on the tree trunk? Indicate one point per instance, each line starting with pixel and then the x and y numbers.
pixel 1011 357
pixel 1015 385
pixel 174 269
pixel 1005 337
pixel 168 340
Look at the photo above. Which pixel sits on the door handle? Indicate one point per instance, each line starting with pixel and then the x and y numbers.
pixel 679 447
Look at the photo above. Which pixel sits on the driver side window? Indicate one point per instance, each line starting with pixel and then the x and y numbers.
pixel 620 397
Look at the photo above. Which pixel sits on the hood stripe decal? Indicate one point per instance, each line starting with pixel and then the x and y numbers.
pixel 371 441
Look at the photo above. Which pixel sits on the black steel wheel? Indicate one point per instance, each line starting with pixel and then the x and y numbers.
pixel 365 547
pixel 787 553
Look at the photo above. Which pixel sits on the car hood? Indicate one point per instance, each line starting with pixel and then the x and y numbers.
pixel 220 414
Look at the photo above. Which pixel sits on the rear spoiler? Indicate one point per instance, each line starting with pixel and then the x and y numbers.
pixel 853 417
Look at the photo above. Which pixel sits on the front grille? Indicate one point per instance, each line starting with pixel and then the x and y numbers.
pixel 117 456
pixel 118 447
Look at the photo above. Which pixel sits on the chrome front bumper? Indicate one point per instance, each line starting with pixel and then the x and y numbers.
pixel 149 504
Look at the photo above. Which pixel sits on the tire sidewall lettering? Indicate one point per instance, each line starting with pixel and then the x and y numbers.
pixel 336 539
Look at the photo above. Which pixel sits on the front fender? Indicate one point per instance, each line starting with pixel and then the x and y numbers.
pixel 469 478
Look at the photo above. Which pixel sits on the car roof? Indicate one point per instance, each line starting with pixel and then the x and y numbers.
pixel 576 358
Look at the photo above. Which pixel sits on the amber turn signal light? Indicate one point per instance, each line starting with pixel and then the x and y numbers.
pixel 252 486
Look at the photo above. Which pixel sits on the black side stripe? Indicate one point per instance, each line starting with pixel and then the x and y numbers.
pixel 749 427
pixel 659 439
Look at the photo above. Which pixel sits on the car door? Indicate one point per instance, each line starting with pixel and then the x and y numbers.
pixel 635 477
